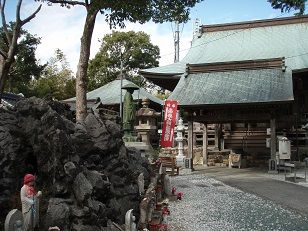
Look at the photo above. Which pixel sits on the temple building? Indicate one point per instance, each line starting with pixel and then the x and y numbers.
pixel 243 84
pixel 109 96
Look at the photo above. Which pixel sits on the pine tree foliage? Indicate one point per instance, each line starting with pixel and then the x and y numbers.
pixel 288 5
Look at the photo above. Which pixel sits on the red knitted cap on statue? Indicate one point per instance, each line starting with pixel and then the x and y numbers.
pixel 28 178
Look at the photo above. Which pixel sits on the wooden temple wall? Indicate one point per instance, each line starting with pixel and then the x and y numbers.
pixel 252 140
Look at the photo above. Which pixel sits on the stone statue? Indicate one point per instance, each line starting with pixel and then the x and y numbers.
pixel 13 221
pixel 167 185
pixel 130 224
pixel 143 212
pixel 18 226
pixel 129 110
pixel 141 183
pixel 30 203
pixel 55 228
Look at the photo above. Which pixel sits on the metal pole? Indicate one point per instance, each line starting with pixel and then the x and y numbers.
pixel 121 85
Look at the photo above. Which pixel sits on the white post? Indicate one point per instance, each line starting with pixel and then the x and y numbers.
pixel 179 138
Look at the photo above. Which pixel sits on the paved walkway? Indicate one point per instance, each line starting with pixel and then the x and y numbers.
pixel 268 186
pixel 238 199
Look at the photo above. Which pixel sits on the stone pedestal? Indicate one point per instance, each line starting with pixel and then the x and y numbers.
pixel 186 171
pixel 145 149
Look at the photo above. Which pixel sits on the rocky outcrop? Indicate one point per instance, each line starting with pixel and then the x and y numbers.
pixel 86 173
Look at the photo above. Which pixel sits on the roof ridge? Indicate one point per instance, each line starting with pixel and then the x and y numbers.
pixel 255 23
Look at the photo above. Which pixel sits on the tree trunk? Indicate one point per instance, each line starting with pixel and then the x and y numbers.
pixel 7 62
pixel 81 75
pixel 4 72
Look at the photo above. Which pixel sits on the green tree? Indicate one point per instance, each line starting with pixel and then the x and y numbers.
pixel 117 13
pixel 57 79
pixel 7 56
pixel 287 5
pixel 134 49
pixel 25 67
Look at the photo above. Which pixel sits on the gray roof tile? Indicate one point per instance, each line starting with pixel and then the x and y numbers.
pixel 289 41
pixel 244 86
pixel 110 93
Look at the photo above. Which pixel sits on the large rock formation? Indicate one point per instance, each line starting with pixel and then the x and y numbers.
pixel 86 173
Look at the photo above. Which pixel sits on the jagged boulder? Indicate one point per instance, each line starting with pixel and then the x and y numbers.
pixel 58 213
pixel 88 176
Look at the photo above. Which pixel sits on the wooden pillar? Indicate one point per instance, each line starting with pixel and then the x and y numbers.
pixel 190 142
pixel 217 136
pixel 204 144
pixel 273 138
pixel 194 139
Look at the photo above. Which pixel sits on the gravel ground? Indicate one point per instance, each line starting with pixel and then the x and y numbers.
pixel 210 205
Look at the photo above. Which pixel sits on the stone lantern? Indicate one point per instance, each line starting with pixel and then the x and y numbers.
pixel 179 138
pixel 146 122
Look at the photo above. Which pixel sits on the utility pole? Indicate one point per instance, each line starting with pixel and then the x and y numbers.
pixel 196 28
pixel 177 42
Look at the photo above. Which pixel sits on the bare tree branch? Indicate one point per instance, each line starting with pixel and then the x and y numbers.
pixel 26 20
pixel 68 2
pixel 12 41
pixel 7 34
pixel 18 11
pixel 3 54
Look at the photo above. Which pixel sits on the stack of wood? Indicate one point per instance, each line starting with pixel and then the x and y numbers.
pixel 167 152
pixel 218 158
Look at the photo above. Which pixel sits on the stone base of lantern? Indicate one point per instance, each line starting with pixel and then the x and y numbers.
pixel 146 150
pixel 180 161
pixel 185 171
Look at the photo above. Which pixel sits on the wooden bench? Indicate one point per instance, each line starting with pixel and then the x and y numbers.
pixel 170 163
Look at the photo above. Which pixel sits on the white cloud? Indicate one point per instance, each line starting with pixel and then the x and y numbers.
pixel 62 28
pixel 57 27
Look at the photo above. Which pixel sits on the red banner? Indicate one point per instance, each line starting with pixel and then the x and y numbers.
pixel 170 110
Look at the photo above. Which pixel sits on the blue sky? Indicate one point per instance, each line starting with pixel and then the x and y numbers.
pixel 61 28
pixel 211 12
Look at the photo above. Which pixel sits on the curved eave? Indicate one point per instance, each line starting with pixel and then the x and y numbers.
pixel 170 69
pixel 167 81
pixel 165 76
pixel 243 104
